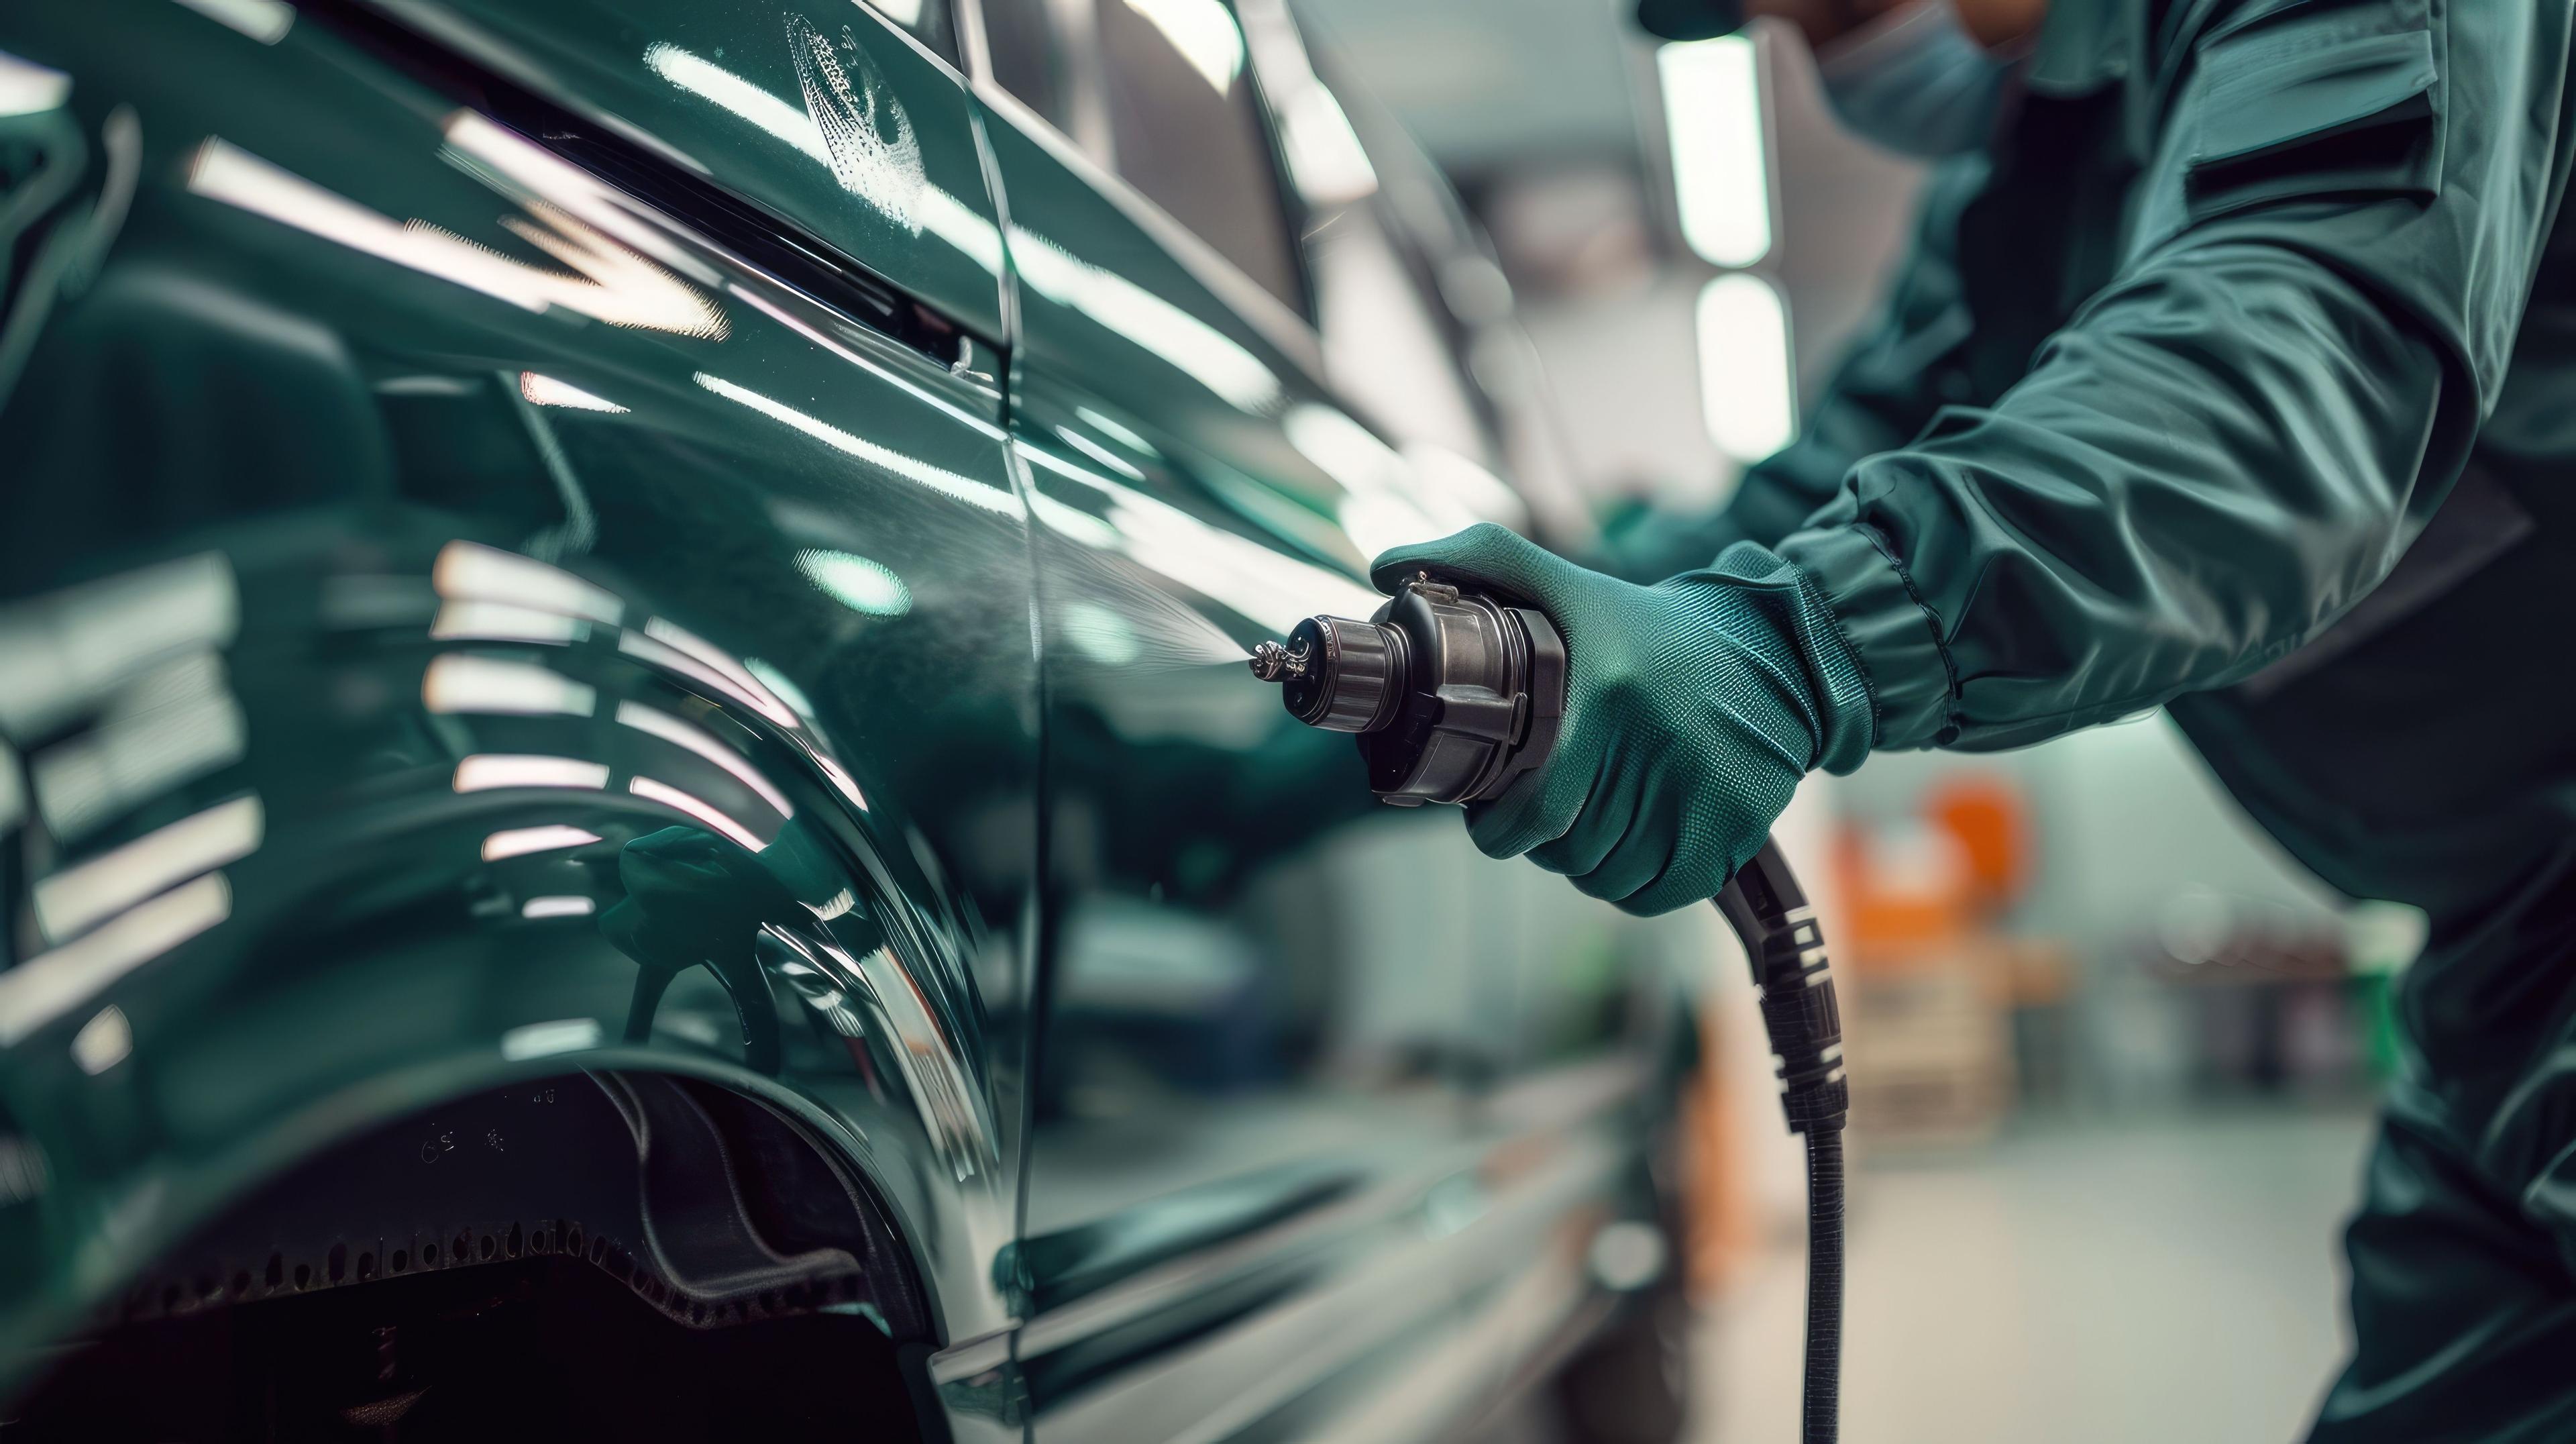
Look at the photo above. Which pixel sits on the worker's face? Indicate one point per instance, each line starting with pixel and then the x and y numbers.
pixel 1926 78
pixel 1994 23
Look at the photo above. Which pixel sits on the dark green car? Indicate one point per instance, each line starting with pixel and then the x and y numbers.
pixel 629 805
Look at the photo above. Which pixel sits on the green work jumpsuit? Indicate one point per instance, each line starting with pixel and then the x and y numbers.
pixel 2238 375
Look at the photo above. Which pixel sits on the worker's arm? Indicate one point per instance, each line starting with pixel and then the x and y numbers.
pixel 2234 441
pixel 2225 449
pixel 1906 366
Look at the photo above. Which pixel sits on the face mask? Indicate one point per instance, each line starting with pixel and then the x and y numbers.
pixel 1915 82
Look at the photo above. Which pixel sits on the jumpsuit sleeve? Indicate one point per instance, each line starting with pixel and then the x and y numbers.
pixel 1908 364
pixel 2234 440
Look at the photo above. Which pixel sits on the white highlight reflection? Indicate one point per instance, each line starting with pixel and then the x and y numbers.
pixel 463 683
pixel 1324 152
pixel 74 899
pixel 544 1040
pixel 46 986
pixel 106 1040
pixel 856 582
pixel 613 284
pixel 1383 508
pixel 27 88
pixel 709 81
pixel 1203 31
pixel 62 653
pixel 502 622
pixel 177 721
pixel 521 841
pixel 1210 357
pixel 1099 453
pixel 1264 586
pixel 467 569
pixel 783 686
pixel 697 807
pixel 265 21
pixel 563 906
pixel 946 483
pixel 657 723
pixel 543 390
pixel 488 771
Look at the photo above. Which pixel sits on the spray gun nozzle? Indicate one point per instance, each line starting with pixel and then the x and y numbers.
pixel 1272 662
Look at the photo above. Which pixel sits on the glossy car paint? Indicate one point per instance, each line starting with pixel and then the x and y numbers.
pixel 693 538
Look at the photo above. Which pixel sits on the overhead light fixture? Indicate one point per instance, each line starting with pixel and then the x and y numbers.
pixel 1721 161
pixel 1745 367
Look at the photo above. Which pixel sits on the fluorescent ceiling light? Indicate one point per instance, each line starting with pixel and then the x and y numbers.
pixel 1721 171
pixel 1744 367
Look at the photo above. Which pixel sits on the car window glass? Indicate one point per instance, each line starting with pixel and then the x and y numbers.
pixel 1186 130
pixel 932 22
pixel 1027 59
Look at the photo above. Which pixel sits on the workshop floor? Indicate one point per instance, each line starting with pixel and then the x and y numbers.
pixel 2110 1283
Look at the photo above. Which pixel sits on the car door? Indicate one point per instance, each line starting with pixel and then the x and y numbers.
pixel 522 489
pixel 1249 1153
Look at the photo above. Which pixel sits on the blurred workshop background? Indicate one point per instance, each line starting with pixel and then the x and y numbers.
pixel 2114 1053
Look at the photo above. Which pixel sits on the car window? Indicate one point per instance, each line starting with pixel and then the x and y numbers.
pixel 1188 132
pixel 1027 59
pixel 932 22
pixel 1160 91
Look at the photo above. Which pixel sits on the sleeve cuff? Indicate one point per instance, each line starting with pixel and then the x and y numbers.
pixel 1896 637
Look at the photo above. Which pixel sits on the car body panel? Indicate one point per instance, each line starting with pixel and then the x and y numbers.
pixel 518 564
pixel 532 601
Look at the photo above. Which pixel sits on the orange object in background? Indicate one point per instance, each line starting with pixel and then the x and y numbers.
pixel 1903 896
pixel 1933 980
pixel 1986 814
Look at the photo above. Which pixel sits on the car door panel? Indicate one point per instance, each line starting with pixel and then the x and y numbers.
pixel 520 635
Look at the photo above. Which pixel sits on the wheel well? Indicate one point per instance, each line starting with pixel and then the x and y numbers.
pixel 577 1250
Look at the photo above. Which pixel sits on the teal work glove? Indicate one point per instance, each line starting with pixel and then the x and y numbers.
pixel 1692 708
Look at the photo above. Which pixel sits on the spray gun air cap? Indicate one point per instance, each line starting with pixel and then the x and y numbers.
pixel 1454 695
pixel 1337 674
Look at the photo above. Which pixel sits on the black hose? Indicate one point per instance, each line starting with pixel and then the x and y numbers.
pixel 1769 913
pixel 1822 1409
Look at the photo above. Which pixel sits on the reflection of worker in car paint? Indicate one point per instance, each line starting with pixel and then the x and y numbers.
pixel 2230 373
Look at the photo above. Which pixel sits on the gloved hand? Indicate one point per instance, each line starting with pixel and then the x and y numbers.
pixel 1692 708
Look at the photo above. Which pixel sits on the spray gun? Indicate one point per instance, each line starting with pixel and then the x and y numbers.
pixel 1455 696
